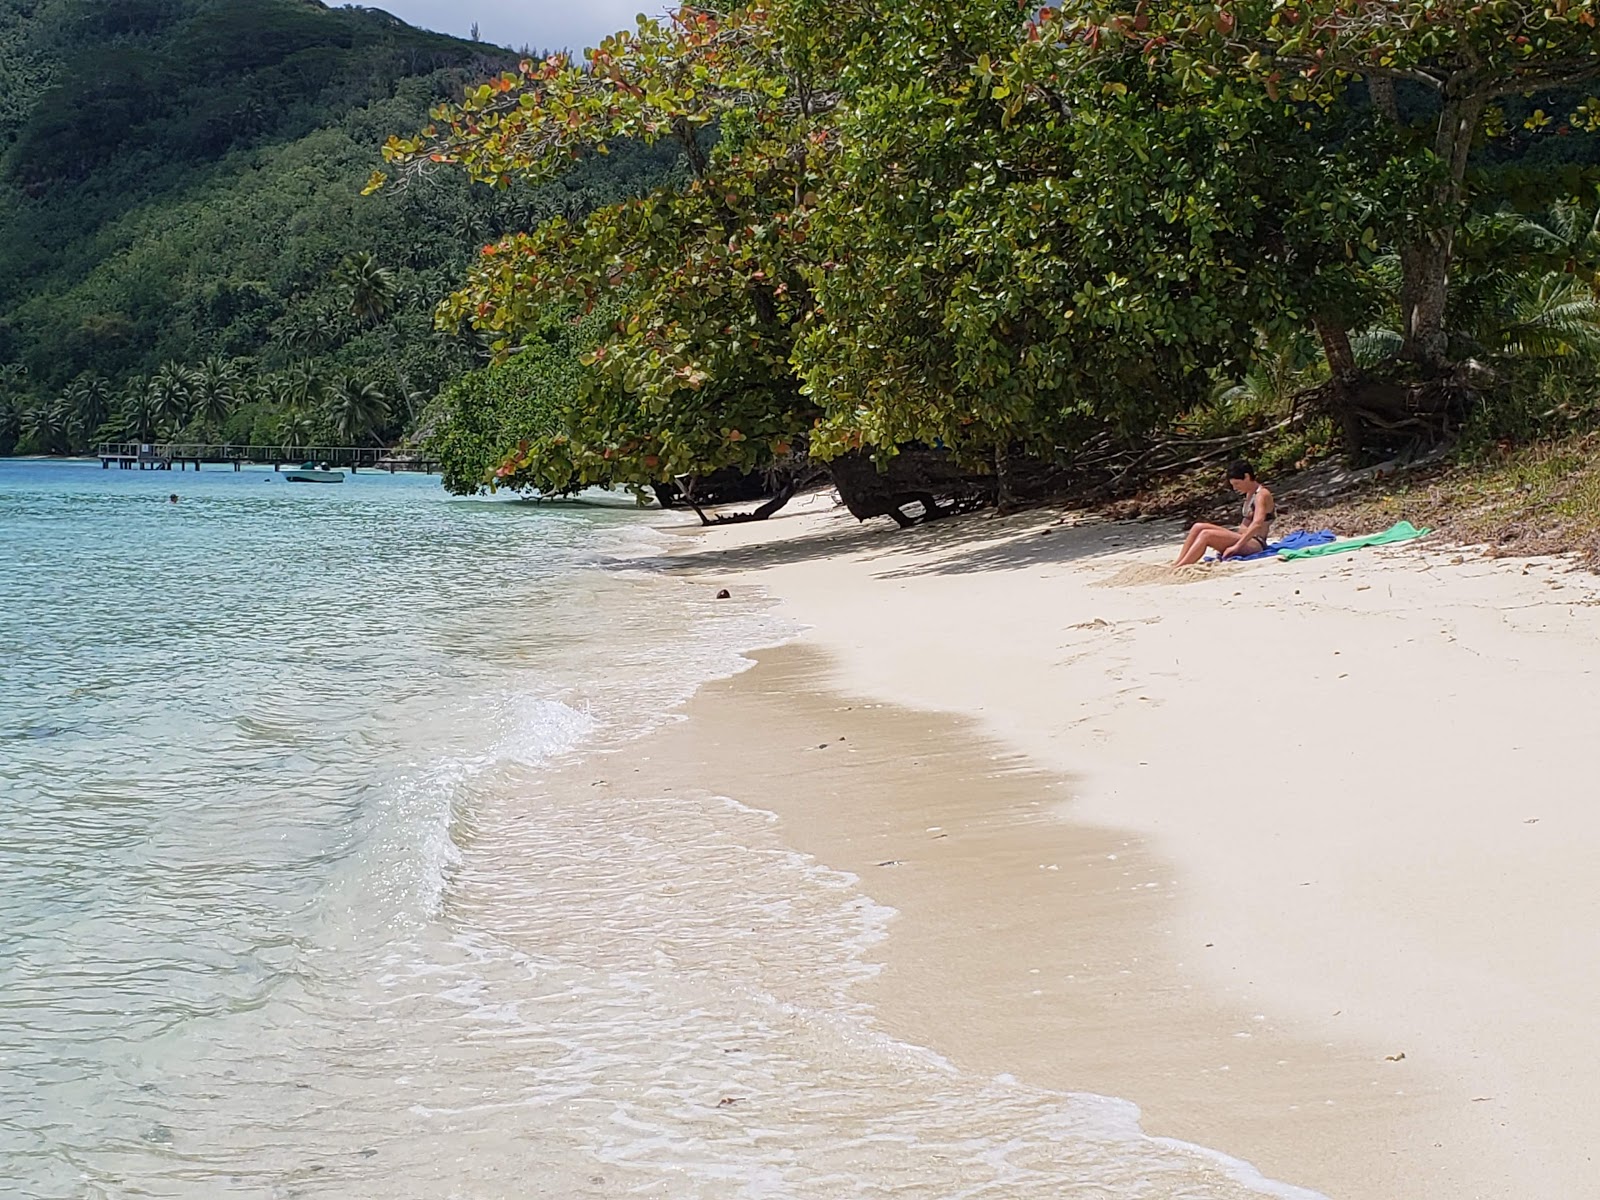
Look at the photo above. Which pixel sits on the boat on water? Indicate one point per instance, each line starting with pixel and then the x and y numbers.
pixel 313 473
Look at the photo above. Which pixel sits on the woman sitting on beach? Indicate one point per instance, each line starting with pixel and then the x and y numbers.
pixel 1254 524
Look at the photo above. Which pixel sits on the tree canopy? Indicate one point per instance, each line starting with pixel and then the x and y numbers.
pixel 991 229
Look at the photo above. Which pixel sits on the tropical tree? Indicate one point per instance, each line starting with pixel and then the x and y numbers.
pixel 990 228
pixel 970 238
pixel 214 391
pixel 1543 317
pixel 11 423
pixel 12 377
pixel 1568 236
pixel 534 398
pixel 173 389
pixel 296 431
pixel 87 400
pixel 15 402
pixel 1277 374
pixel 312 328
pixel 46 426
pixel 139 409
pixel 1032 245
pixel 370 288
pixel 373 294
pixel 1433 71
pixel 356 409
pixel 703 272
pixel 274 389
pixel 302 388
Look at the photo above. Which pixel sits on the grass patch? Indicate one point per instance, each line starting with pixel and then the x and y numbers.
pixel 1538 499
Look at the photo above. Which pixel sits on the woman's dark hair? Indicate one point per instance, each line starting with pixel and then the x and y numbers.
pixel 1241 470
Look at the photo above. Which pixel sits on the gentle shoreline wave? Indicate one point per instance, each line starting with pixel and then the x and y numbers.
pixel 394 919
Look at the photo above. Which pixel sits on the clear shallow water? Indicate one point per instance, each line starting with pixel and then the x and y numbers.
pixel 294 903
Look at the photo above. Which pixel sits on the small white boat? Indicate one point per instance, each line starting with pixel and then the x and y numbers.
pixel 309 473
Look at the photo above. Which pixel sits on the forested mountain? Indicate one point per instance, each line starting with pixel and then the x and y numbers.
pixel 183 243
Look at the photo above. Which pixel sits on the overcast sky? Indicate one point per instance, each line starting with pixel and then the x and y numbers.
pixel 541 24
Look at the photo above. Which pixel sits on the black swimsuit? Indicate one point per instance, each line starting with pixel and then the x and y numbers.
pixel 1248 515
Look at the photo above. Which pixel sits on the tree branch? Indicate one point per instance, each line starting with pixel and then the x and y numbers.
pixel 1345 66
pixel 1552 79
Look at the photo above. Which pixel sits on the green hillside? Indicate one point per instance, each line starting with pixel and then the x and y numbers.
pixel 180 216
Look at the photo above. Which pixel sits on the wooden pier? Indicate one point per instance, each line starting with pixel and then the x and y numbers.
pixel 162 456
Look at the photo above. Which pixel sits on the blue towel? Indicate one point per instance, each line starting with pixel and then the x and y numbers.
pixel 1295 541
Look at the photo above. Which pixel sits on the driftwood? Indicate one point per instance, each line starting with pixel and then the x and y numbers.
pixel 1108 466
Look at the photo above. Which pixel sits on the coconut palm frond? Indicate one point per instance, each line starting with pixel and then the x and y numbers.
pixel 1271 382
pixel 1370 347
pixel 1496 231
pixel 1566 222
pixel 1566 237
pixel 1253 390
pixel 1546 236
pixel 1548 316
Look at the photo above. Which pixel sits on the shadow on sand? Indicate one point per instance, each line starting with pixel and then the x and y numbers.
pixel 957 545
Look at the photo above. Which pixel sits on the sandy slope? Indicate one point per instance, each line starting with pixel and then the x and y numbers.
pixel 1364 787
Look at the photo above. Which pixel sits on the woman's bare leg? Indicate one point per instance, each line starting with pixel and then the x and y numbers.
pixel 1196 531
pixel 1217 539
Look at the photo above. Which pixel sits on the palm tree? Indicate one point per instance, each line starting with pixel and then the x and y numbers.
pixel 1549 316
pixel 302 388
pixel 1505 314
pixel 10 424
pixel 374 295
pixel 88 398
pixel 356 409
pixel 296 430
pixel 371 288
pixel 174 387
pixel 215 390
pixel 140 410
pixel 311 329
pixel 1570 236
pixel 46 426
pixel 273 389
pixel 1280 369
pixel 468 225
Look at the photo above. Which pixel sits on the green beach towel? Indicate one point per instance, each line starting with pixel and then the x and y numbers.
pixel 1400 531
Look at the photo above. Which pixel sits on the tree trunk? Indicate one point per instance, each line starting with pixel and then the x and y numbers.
pixel 916 475
pixel 399 375
pixel 1425 266
pixel 1336 346
pixel 1004 494
pixel 786 490
pixel 1424 291
pixel 1342 373
pixel 1380 88
pixel 782 496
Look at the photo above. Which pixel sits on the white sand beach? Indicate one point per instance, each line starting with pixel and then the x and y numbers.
pixel 1314 883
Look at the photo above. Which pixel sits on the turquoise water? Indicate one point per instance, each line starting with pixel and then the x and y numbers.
pixel 216 714
pixel 303 894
